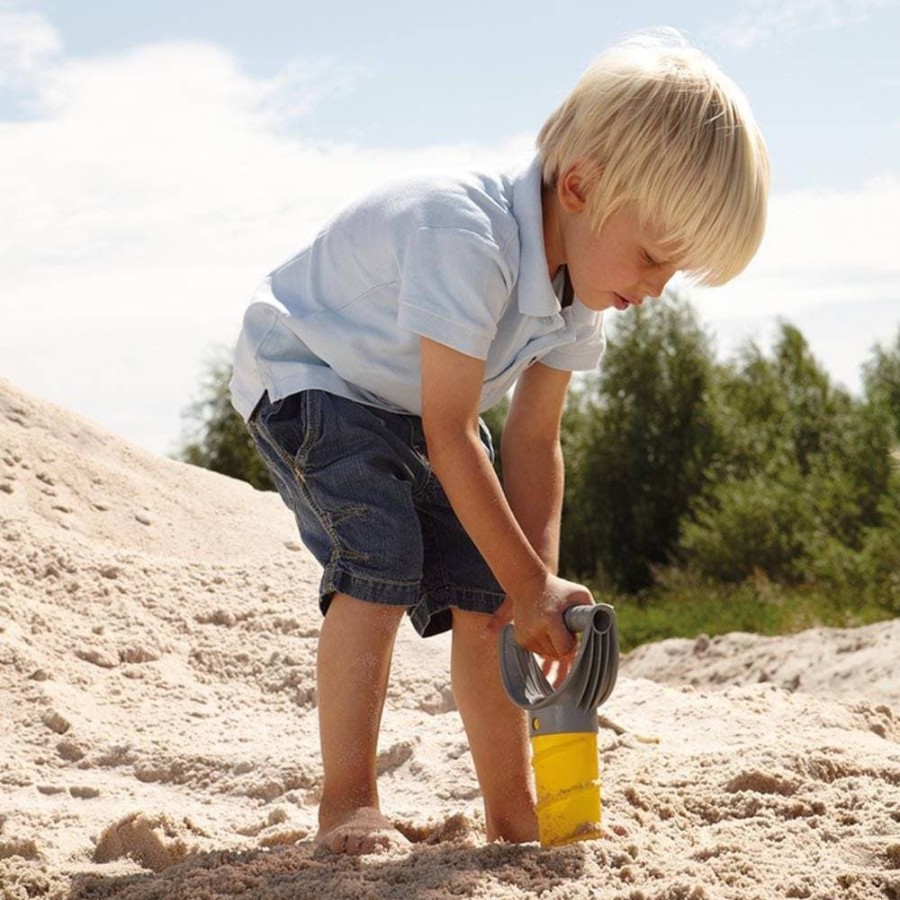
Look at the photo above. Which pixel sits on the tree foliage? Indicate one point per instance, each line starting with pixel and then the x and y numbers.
pixel 683 470
pixel 799 472
pixel 218 438
pixel 881 377
pixel 638 437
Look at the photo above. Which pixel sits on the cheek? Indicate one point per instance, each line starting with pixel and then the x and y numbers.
pixel 597 263
pixel 609 272
pixel 614 262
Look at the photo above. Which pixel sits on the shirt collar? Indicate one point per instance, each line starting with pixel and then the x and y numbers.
pixel 536 295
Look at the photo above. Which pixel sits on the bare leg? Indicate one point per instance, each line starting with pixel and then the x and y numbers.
pixel 497 732
pixel 353 664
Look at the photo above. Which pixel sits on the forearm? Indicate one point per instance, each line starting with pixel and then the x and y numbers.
pixel 536 598
pixel 533 483
pixel 465 472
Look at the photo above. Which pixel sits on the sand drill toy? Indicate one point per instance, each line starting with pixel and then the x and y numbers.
pixel 563 722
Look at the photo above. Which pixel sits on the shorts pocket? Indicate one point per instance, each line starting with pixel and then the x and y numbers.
pixel 292 426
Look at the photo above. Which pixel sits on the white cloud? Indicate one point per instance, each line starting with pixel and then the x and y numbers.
pixel 153 189
pixel 28 44
pixel 761 20
pixel 826 247
pixel 144 202
pixel 829 264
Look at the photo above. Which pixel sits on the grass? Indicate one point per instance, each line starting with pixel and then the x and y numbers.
pixel 682 606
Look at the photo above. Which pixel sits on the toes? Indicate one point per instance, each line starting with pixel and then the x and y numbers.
pixel 352 843
pixel 365 831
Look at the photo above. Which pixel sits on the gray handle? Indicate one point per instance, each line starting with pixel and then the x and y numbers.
pixel 571 707
pixel 599 617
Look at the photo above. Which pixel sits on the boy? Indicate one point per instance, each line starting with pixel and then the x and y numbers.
pixel 365 360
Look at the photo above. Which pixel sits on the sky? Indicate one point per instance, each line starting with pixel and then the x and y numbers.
pixel 158 159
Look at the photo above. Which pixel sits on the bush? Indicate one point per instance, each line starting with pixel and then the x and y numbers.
pixel 218 438
pixel 638 438
pixel 762 523
pixel 880 555
pixel 881 377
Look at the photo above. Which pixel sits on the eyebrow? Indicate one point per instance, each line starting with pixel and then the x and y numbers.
pixel 663 257
pixel 652 242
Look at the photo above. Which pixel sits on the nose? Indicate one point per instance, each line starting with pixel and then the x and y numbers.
pixel 654 285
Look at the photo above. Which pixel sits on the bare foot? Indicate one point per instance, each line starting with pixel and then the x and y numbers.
pixel 360 831
pixel 520 830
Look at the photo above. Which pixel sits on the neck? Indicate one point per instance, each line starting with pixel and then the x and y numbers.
pixel 553 245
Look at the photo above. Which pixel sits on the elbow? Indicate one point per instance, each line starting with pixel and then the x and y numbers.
pixel 435 435
pixel 531 444
pixel 447 440
pixel 438 441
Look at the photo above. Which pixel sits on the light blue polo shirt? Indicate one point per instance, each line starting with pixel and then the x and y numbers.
pixel 459 260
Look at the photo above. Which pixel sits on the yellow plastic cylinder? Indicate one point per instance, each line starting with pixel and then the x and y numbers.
pixel 567 778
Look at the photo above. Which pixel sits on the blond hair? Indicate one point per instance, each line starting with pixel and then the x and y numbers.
pixel 659 124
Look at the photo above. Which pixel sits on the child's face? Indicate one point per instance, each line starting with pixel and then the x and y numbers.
pixel 621 265
pixel 617 267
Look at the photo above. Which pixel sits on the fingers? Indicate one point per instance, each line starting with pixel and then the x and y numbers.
pixel 547 637
pixel 556 670
pixel 536 643
pixel 540 627
pixel 544 650
pixel 547 643
pixel 562 670
pixel 563 643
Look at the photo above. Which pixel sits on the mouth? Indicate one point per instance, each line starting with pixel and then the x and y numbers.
pixel 622 303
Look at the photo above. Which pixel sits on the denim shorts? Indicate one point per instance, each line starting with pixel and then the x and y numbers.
pixel 370 509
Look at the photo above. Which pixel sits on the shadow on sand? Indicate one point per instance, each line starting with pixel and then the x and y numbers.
pixel 424 872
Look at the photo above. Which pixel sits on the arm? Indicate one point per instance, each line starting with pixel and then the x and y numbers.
pixel 451 387
pixel 532 458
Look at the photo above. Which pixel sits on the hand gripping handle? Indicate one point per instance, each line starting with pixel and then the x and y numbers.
pixel 591 679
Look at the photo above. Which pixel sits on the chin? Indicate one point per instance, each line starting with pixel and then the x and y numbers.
pixel 599 304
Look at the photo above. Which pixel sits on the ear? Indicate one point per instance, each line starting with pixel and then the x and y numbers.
pixel 572 187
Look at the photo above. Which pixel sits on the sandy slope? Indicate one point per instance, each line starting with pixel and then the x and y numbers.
pixel 850 663
pixel 157 635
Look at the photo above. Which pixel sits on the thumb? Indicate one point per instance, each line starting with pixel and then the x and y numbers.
pixel 503 616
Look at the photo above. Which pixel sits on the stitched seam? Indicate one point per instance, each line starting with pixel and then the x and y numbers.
pixel 270 440
pixel 371 290
pixel 430 314
pixel 338 551
pixel 392 582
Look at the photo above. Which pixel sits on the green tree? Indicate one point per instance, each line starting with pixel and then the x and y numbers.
pixel 881 378
pixel 880 556
pixel 217 437
pixel 495 419
pixel 775 410
pixel 800 474
pixel 639 436
pixel 756 524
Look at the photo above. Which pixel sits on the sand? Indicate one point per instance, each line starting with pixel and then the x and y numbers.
pixel 158 626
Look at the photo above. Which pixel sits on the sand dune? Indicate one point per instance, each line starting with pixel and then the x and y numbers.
pixel 157 635
pixel 848 663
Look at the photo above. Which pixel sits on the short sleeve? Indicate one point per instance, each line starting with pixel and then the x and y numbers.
pixel 585 352
pixel 454 287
